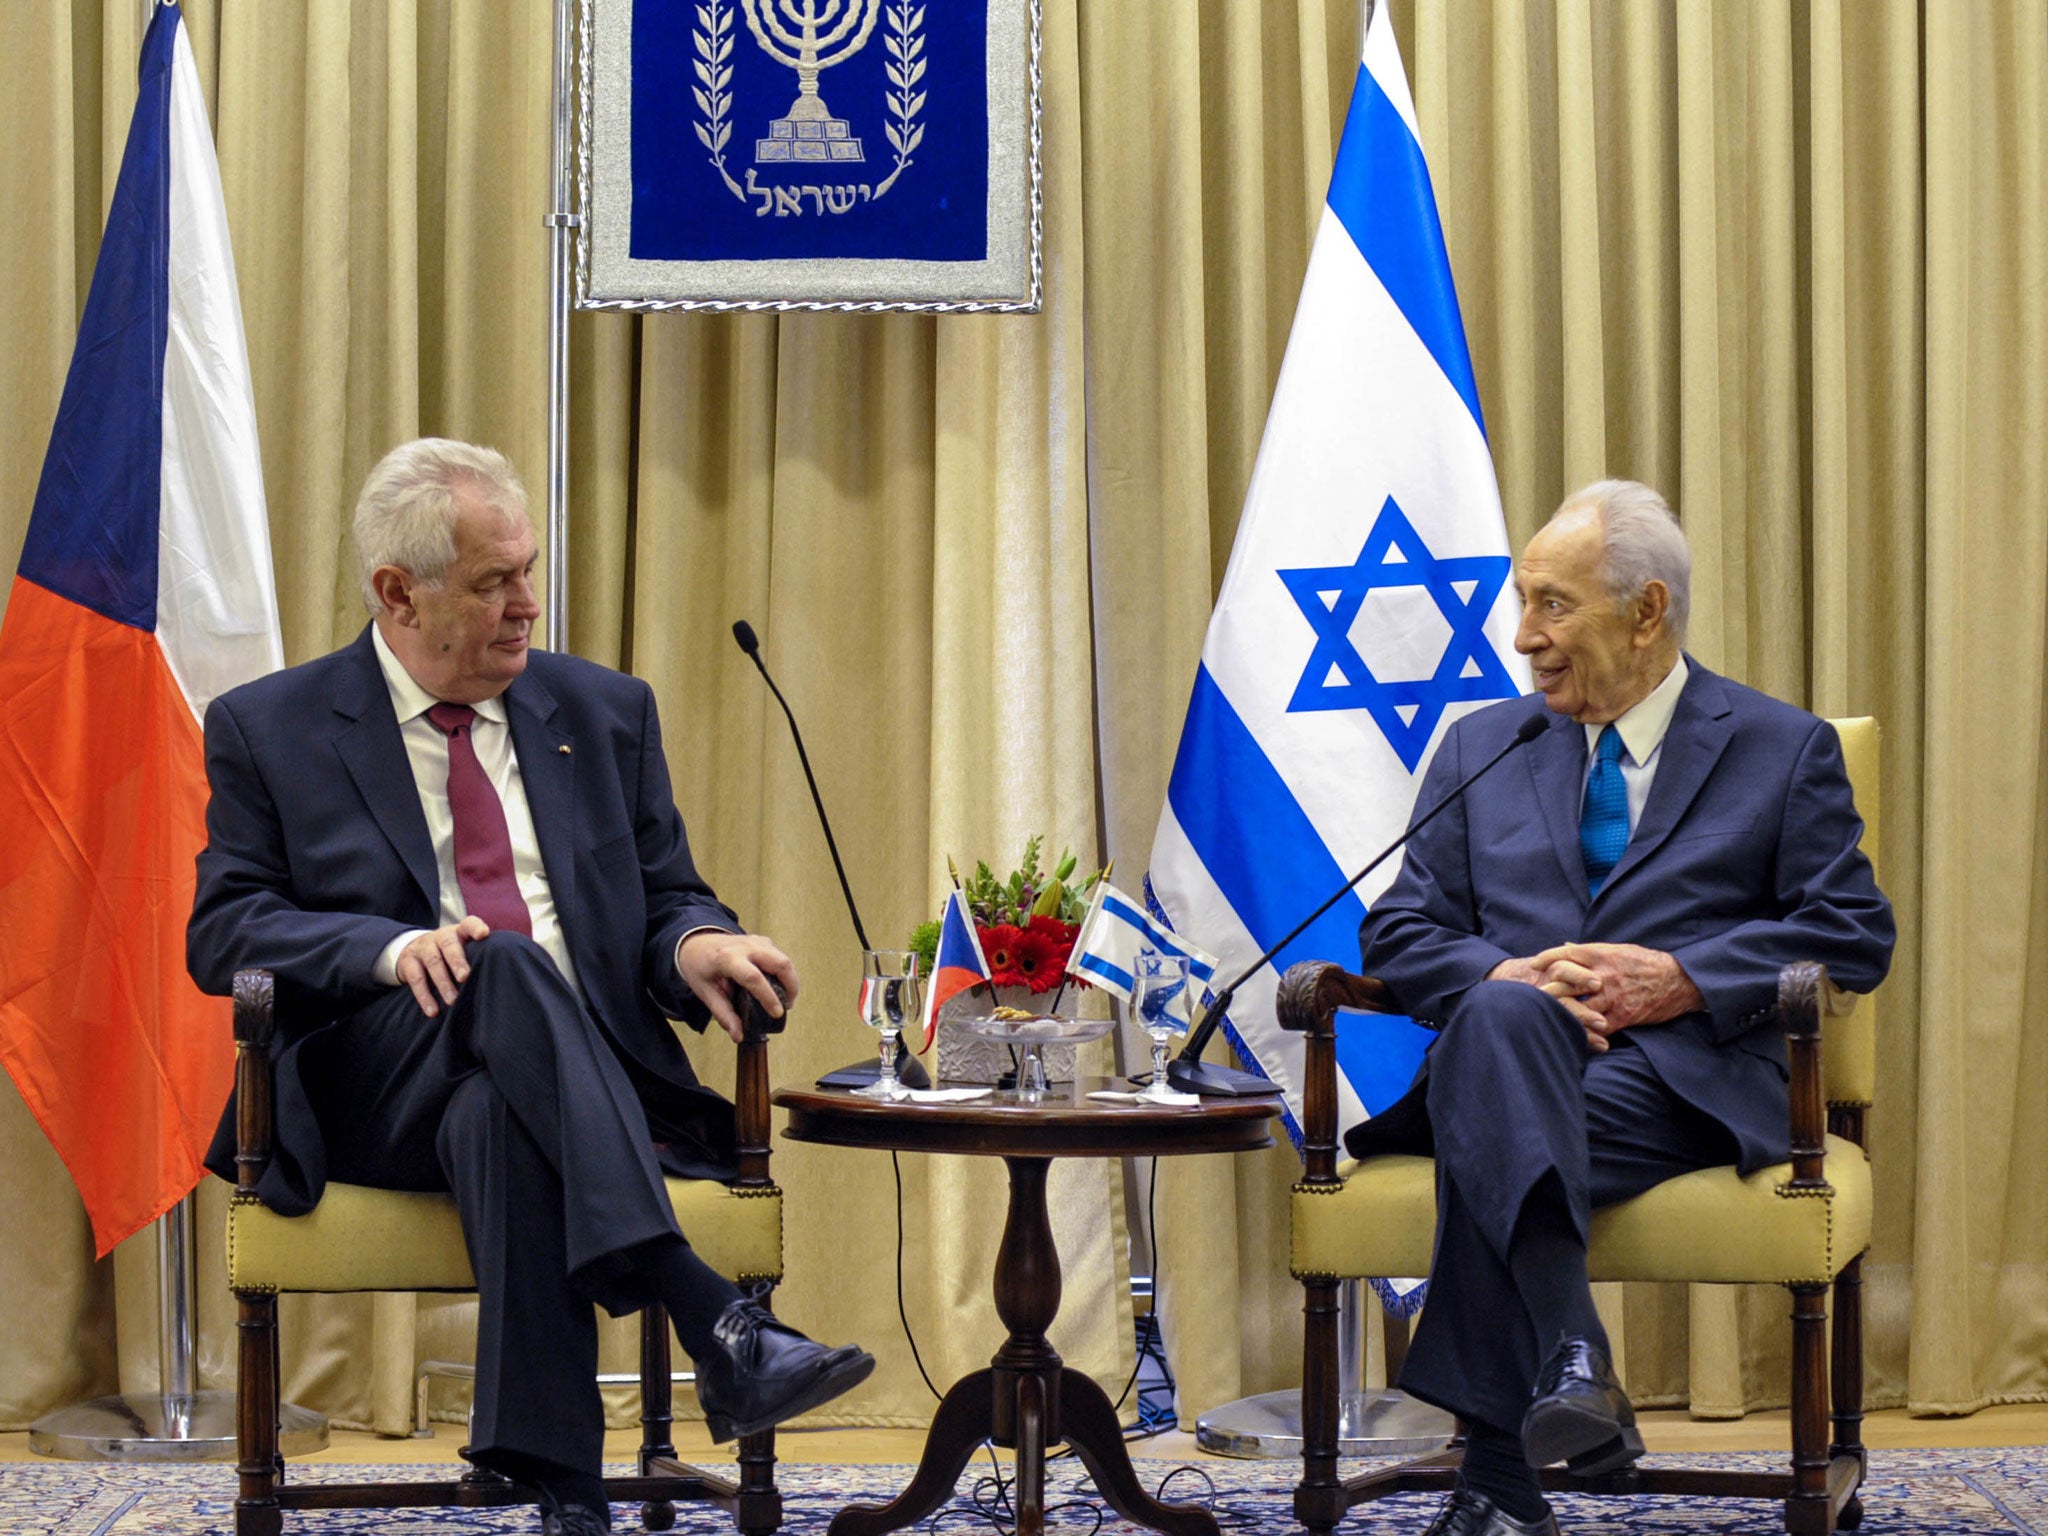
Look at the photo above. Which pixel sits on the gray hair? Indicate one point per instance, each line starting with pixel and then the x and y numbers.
pixel 405 515
pixel 1641 542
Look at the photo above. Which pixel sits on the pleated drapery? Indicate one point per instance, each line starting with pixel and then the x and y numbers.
pixel 1786 261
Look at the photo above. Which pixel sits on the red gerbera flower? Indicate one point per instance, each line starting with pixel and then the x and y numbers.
pixel 999 946
pixel 1039 958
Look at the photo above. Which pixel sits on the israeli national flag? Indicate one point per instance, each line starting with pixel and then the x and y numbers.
pixel 1366 604
pixel 1114 931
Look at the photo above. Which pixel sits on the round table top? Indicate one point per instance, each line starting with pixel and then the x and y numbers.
pixel 1065 1123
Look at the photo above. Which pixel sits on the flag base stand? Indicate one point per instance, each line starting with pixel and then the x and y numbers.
pixel 1268 1426
pixel 197 1426
pixel 1369 1423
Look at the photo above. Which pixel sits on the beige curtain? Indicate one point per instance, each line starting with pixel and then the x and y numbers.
pixel 1786 261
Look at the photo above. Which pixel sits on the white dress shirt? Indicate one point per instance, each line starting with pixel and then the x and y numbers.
pixel 1642 726
pixel 427 749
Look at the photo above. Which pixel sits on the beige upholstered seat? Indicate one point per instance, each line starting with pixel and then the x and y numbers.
pixel 1803 1224
pixel 359 1239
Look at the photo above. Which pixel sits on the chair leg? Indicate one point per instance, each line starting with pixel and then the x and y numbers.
pixel 1848 1382
pixel 256 1397
pixel 1806 1510
pixel 657 1411
pixel 1319 1501
pixel 759 1511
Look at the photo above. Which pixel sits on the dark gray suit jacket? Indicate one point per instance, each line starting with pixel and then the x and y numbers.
pixel 1745 860
pixel 318 855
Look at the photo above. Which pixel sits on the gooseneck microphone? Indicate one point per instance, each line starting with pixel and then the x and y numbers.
pixel 1188 1071
pixel 909 1070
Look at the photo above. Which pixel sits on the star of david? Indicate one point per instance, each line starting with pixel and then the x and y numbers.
pixel 1406 710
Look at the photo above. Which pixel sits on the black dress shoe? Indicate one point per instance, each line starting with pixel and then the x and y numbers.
pixel 576 1520
pixel 1468 1513
pixel 1580 1416
pixel 764 1371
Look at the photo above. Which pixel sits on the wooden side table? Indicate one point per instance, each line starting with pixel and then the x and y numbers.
pixel 1027 1399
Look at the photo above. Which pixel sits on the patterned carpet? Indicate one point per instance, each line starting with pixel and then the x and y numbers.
pixel 1910 1493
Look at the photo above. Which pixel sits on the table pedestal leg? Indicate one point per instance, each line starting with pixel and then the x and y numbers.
pixel 1026 1400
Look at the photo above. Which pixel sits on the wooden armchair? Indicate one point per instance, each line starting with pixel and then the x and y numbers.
pixel 1803 1224
pixel 360 1239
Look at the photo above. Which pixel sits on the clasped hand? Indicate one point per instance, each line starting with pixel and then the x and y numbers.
pixel 1607 987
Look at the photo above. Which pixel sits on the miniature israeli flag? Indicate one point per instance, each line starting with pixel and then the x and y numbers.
pixel 1113 932
pixel 1366 602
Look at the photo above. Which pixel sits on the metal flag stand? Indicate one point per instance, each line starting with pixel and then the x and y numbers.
pixel 178 1423
pixel 1369 1423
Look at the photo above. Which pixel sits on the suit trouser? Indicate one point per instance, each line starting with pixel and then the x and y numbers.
pixel 1515 1097
pixel 512 1100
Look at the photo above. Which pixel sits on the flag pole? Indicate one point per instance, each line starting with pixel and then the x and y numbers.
pixel 1387 1422
pixel 562 224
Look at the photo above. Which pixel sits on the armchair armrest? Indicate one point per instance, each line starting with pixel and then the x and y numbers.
pixel 1805 997
pixel 255 1027
pixel 751 1123
pixel 1310 994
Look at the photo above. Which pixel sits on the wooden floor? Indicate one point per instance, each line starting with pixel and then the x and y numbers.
pixel 1663 1431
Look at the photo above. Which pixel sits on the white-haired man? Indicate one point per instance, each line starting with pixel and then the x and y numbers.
pixel 464 865
pixel 1599 935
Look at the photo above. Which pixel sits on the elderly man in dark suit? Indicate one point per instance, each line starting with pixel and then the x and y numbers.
pixel 464 864
pixel 1599 931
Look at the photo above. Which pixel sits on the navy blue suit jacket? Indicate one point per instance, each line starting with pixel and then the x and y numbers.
pixel 1745 860
pixel 318 855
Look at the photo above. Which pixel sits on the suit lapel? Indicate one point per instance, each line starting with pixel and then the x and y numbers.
pixel 371 747
pixel 1557 765
pixel 1698 735
pixel 547 767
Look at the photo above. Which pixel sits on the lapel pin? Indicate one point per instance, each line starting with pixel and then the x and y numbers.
pixel 563 749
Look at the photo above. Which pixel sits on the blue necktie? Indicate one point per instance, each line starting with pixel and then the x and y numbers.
pixel 1603 824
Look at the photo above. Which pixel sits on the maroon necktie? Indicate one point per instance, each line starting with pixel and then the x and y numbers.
pixel 483 846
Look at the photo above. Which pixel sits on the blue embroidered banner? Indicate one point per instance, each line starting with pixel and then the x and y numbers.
pixel 765 129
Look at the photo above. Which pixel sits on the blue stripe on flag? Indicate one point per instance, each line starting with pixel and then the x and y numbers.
pixel 1380 192
pixel 1253 837
pixel 92 537
pixel 1157 935
pixel 1095 965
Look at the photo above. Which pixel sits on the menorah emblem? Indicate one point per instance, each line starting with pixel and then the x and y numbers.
pixel 810 36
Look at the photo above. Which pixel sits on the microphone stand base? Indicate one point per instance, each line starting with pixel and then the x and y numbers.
pixel 910 1073
pixel 1217 1082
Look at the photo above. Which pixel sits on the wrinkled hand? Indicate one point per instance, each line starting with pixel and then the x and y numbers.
pixel 1535 972
pixel 1626 983
pixel 434 964
pixel 713 963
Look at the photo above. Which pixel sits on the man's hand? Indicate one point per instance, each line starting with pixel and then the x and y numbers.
pixel 713 963
pixel 1535 972
pixel 435 963
pixel 1627 983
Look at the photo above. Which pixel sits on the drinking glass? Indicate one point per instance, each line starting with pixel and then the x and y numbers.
pixel 1161 1002
pixel 889 996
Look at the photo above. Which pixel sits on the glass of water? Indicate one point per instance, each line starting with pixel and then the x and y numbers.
pixel 1161 1002
pixel 890 997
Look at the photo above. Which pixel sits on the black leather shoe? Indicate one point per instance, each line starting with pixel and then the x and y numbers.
pixel 764 1371
pixel 576 1520
pixel 1580 1416
pixel 1467 1513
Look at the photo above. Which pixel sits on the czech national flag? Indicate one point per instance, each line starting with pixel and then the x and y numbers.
pixel 958 965
pixel 144 590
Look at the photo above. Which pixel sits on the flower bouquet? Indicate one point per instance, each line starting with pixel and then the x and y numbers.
pixel 1026 922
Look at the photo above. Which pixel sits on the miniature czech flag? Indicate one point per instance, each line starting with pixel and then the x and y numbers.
pixel 958 965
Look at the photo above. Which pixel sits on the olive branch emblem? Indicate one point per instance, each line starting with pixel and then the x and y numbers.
pixel 713 40
pixel 905 42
